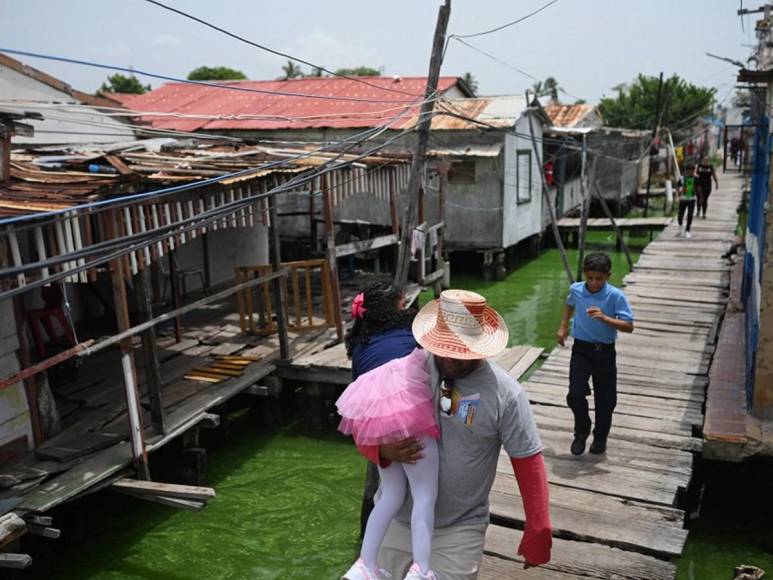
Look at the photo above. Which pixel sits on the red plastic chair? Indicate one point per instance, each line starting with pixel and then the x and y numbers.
pixel 42 319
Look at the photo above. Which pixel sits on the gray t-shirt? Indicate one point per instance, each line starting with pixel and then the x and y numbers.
pixel 491 411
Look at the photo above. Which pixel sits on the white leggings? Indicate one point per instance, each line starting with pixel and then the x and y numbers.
pixel 422 479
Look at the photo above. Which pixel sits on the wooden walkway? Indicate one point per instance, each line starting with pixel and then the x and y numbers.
pixel 622 223
pixel 617 515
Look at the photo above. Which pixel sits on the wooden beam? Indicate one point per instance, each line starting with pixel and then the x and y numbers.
pixel 149 351
pixel 17 561
pixel 279 287
pixel 189 492
pixel 11 527
pixel 366 245
pixel 133 407
pixel 335 288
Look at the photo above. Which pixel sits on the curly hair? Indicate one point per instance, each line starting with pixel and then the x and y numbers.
pixel 381 315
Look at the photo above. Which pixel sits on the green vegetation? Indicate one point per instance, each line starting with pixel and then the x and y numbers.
pixel 119 83
pixel 635 106
pixel 215 73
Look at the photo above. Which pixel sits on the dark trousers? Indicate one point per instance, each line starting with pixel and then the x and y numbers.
pixel 689 205
pixel 600 362
pixel 703 202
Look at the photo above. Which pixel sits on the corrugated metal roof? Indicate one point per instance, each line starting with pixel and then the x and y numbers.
pixel 500 112
pixel 273 111
pixel 47 179
pixel 568 115
pixel 492 150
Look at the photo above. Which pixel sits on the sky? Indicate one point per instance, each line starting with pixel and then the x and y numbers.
pixel 589 46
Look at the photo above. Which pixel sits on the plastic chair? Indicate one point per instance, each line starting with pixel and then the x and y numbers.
pixel 42 319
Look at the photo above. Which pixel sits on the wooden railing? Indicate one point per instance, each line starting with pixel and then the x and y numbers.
pixel 304 308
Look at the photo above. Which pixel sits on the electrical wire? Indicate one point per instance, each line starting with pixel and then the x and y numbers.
pixel 115 202
pixel 273 51
pixel 498 28
pixel 230 87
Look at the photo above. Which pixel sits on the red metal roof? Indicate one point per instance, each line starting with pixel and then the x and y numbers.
pixel 367 106
pixel 568 115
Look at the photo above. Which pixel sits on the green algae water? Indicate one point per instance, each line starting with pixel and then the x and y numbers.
pixel 288 501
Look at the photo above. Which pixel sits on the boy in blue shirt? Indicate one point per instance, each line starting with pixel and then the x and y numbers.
pixel 601 310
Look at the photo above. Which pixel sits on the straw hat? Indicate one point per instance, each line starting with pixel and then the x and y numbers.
pixel 460 325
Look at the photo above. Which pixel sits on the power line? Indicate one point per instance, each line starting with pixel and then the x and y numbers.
pixel 273 51
pixel 117 201
pixel 232 87
pixel 498 28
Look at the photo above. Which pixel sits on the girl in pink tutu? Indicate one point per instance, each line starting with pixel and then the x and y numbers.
pixel 389 401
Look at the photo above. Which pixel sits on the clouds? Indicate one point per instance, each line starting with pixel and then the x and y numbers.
pixel 166 41
pixel 332 53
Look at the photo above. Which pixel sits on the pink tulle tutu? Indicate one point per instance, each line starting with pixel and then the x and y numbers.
pixel 389 403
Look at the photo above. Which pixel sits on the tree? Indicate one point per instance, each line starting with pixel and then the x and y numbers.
pixel 547 88
pixel 316 72
pixel 291 70
pixel 215 73
pixel 119 83
pixel 551 88
pixel 635 106
pixel 360 71
pixel 471 83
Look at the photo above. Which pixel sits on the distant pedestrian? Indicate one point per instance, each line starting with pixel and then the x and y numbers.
pixel 687 191
pixel 600 310
pixel 705 174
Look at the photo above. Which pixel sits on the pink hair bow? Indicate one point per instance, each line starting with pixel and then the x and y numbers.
pixel 358 308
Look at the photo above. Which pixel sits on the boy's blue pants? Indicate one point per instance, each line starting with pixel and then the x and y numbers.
pixel 598 361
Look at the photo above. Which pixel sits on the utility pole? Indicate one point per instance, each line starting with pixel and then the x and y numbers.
pixel 419 156
pixel 655 130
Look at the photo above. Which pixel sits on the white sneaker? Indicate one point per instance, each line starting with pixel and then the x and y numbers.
pixel 414 573
pixel 687 235
pixel 359 571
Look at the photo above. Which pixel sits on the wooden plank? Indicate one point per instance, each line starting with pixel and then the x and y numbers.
pixel 15 561
pixel 526 361
pixel 594 517
pixel 570 560
pixel 190 492
pixel 366 245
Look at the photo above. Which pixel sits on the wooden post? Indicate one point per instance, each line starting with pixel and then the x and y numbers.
pixel 425 121
pixel 127 359
pixel 207 263
pixel 608 213
pixel 394 196
pixel 586 202
pixel 549 202
pixel 421 206
pixel 173 282
pixel 279 287
pixel 25 358
pixel 313 234
pixel 152 366
pixel 655 130
pixel 327 206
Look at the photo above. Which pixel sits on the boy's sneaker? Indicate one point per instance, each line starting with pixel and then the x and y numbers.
pixel 359 571
pixel 598 446
pixel 415 573
pixel 578 445
pixel 687 235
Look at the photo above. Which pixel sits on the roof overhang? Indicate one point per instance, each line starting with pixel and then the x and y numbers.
pixel 755 76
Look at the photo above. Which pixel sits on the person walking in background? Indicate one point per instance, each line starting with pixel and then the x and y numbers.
pixel 600 310
pixel 706 174
pixel 687 191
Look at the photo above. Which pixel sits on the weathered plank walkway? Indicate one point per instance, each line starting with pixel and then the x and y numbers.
pixel 622 223
pixel 617 515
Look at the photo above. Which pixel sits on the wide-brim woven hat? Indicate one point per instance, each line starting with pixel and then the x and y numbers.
pixel 460 325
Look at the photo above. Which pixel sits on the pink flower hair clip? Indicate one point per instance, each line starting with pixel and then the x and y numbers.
pixel 358 306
